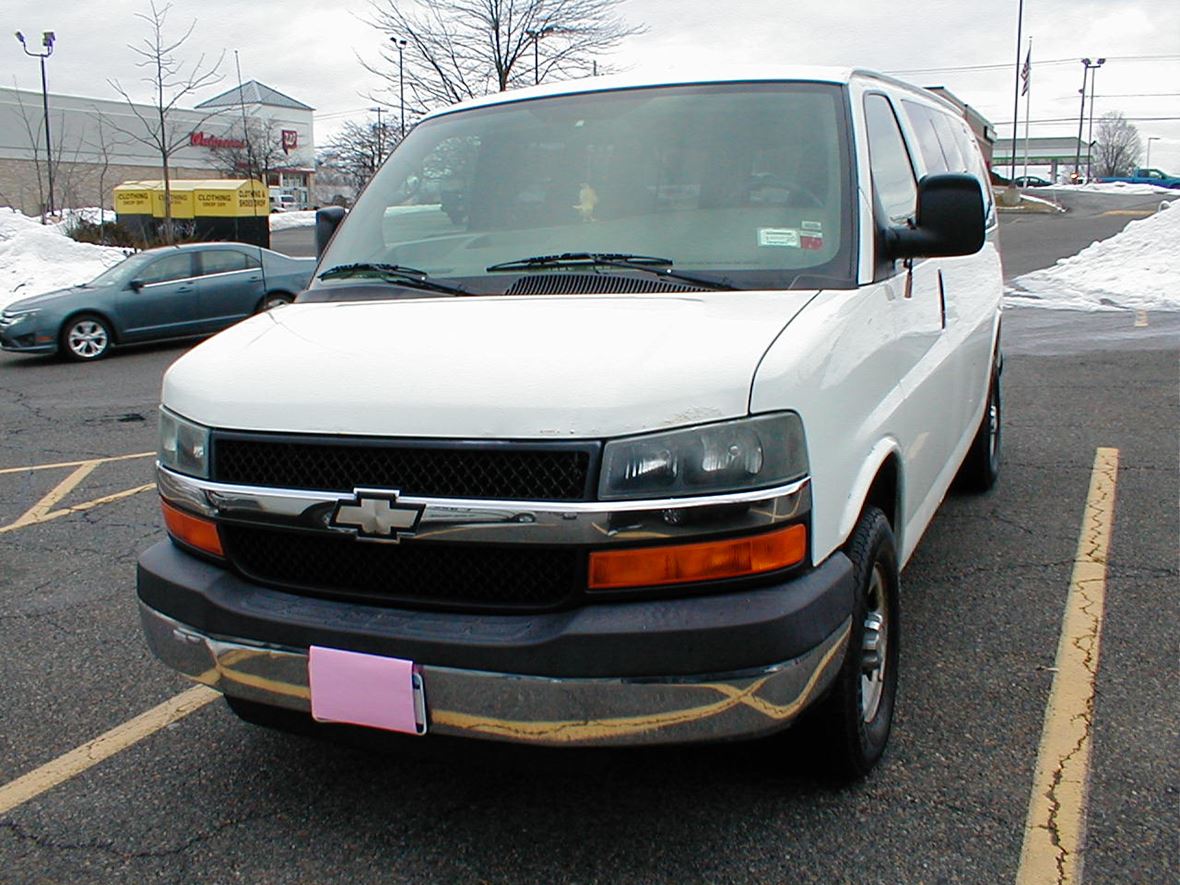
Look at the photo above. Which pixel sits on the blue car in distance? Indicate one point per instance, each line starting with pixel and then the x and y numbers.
pixel 174 292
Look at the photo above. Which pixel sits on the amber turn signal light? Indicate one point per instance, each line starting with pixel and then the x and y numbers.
pixel 707 561
pixel 192 530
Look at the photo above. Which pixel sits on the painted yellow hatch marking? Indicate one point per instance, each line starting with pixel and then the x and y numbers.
pixel 119 738
pixel 1140 318
pixel 1054 833
pixel 43 510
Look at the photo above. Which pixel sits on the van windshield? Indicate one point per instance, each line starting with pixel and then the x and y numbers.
pixel 745 184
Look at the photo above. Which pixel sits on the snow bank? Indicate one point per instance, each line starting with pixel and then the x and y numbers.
pixel 1118 187
pixel 1137 269
pixel 288 220
pixel 36 258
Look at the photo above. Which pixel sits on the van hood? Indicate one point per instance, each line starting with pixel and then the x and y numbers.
pixel 492 368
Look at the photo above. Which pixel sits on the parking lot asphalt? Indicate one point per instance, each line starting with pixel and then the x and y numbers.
pixel 210 799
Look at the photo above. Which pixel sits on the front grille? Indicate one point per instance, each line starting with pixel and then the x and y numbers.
pixel 593 284
pixel 428 575
pixel 501 471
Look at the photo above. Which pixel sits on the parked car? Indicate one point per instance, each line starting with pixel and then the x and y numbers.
pixel 1031 181
pixel 625 440
pixel 283 203
pixel 172 292
pixel 1145 176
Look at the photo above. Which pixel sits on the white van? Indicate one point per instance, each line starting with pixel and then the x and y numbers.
pixel 612 415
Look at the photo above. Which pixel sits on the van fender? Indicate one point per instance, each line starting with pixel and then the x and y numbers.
pixel 858 492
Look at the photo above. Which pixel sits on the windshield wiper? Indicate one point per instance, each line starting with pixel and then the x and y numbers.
pixel 661 267
pixel 399 274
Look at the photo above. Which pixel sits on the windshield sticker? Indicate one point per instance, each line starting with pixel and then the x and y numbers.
pixel 812 239
pixel 811 225
pixel 778 236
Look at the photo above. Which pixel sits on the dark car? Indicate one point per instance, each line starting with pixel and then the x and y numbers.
pixel 174 292
pixel 1031 181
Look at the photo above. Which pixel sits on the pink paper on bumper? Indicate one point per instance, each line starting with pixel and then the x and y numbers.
pixel 361 689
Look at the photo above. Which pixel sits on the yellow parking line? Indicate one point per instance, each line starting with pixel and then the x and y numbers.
pixel 1140 319
pixel 1134 213
pixel 1054 832
pixel 43 510
pixel 37 512
pixel 76 508
pixel 61 464
pixel 119 738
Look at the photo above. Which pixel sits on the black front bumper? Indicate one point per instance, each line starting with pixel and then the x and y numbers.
pixel 674 637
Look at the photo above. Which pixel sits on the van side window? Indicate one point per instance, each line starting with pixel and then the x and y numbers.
pixel 920 118
pixel 973 161
pixel 946 129
pixel 889 161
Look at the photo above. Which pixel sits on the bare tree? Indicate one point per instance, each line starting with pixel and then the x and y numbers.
pixel 356 151
pixel 170 85
pixel 1118 147
pixel 103 148
pixel 260 150
pixel 460 49
pixel 34 123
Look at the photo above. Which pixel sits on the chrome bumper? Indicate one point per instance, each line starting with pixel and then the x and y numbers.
pixel 531 709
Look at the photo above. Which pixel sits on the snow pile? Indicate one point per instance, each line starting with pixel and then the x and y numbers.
pixel 36 258
pixel 1137 269
pixel 288 220
pixel 1119 187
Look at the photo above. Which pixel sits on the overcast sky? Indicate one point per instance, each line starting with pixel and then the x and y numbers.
pixel 307 49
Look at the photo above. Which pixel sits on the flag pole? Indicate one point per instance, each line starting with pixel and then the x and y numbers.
pixel 1027 101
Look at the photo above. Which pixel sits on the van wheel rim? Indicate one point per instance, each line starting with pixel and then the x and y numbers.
pixel 993 425
pixel 874 645
pixel 87 339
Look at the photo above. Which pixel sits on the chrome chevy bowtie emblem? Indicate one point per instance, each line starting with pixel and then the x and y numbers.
pixel 377 515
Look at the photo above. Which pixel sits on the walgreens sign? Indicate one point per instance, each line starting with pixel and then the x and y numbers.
pixel 205 140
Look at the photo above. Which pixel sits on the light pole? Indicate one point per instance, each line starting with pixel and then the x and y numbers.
pixel 1077 160
pixel 47 39
pixel 1090 133
pixel 536 36
pixel 1016 90
pixel 401 79
pixel 1150 139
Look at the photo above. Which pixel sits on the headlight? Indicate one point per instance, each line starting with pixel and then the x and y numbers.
pixel 184 446
pixel 749 453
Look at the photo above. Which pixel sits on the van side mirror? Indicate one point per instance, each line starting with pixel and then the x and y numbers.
pixel 950 220
pixel 326 222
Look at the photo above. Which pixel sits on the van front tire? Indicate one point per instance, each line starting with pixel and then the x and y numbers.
pixel 853 722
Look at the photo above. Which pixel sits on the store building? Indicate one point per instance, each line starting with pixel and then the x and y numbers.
pixel 97 144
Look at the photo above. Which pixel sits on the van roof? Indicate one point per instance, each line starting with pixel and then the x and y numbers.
pixel 696 74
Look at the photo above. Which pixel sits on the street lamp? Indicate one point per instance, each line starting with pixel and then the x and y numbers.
pixel 1087 66
pixel 47 39
pixel 401 79
pixel 1150 139
pixel 536 36
pixel 1090 134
